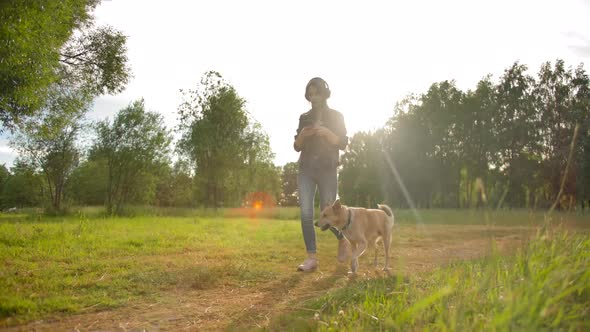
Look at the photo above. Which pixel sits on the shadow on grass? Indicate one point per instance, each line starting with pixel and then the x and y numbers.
pixel 281 296
pixel 300 314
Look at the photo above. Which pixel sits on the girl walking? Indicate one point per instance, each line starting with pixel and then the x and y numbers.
pixel 320 135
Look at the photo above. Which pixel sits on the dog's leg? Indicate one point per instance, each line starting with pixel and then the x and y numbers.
pixel 376 250
pixel 356 253
pixel 353 247
pixel 386 245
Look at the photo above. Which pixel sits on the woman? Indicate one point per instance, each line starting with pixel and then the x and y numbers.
pixel 320 136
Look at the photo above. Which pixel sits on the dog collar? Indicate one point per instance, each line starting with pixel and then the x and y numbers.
pixel 349 221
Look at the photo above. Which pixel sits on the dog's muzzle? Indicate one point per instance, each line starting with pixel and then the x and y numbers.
pixel 324 227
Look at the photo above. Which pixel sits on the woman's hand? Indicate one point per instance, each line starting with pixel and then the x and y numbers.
pixel 303 135
pixel 327 134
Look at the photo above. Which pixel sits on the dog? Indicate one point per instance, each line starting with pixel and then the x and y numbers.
pixel 362 227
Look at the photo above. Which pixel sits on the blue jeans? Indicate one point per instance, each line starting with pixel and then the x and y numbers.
pixel 308 180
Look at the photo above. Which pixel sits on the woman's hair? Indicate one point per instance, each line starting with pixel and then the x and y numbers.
pixel 320 85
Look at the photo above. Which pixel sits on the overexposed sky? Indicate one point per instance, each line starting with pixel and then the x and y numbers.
pixel 372 53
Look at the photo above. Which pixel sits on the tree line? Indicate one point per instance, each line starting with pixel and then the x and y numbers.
pixel 505 143
pixel 223 156
pixel 501 144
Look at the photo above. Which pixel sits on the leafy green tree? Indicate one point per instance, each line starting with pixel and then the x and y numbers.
pixel 4 177
pixel 583 168
pixel 479 140
pixel 289 194
pixel 410 164
pixel 24 188
pixel 213 121
pixel 87 185
pixel 554 98
pixel 581 114
pixel 516 125
pixel 229 151
pixel 135 146
pixel 256 173
pixel 424 142
pixel 96 61
pixel 43 43
pixel 504 143
pixel 361 177
pixel 175 186
pixel 48 140
pixel 440 111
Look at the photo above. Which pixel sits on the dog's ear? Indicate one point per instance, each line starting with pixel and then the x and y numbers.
pixel 336 206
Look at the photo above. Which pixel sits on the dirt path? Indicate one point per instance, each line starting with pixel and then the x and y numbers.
pixel 414 250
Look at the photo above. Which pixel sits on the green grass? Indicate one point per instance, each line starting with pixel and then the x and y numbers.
pixel 516 217
pixel 545 286
pixel 282 213
pixel 86 262
pixel 403 216
pixel 67 264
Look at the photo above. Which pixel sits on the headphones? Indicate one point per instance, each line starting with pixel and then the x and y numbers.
pixel 322 85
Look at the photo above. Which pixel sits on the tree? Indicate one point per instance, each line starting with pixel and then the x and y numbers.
pixel 363 170
pixel 553 97
pixel 229 152
pixel 134 147
pixel 289 194
pixel 425 142
pixel 480 142
pixel 48 141
pixel 96 61
pixel 43 43
pixel 516 126
pixel 504 143
pixel 87 185
pixel 4 177
pixel 175 186
pixel 23 188
pixel 583 167
pixel 440 111
pixel 581 114
pixel 256 173
pixel 409 155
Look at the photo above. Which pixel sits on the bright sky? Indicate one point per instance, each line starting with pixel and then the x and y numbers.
pixel 372 53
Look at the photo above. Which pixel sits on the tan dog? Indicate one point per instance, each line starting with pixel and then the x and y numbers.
pixel 362 227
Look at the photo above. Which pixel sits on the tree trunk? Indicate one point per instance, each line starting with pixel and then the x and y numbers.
pixel 58 194
pixel 110 189
pixel 459 190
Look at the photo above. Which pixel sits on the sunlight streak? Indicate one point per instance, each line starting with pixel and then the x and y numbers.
pixel 405 192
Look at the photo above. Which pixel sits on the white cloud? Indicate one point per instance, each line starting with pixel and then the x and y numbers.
pixel 6 149
pixel 7 154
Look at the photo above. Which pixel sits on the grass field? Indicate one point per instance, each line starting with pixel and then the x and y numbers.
pixel 546 285
pixel 234 269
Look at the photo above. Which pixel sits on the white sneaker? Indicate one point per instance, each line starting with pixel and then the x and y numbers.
pixel 310 264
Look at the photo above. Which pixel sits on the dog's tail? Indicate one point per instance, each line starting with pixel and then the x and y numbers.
pixel 387 211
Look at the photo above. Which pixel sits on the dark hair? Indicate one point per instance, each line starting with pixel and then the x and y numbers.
pixel 321 85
